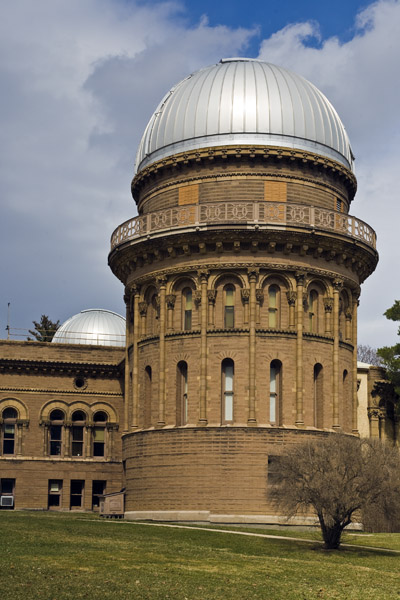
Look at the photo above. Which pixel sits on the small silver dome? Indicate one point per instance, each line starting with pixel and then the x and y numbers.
pixel 93 326
pixel 244 101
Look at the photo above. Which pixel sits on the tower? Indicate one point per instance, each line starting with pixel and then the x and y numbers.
pixel 242 274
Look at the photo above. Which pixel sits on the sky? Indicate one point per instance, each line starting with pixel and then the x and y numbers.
pixel 79 80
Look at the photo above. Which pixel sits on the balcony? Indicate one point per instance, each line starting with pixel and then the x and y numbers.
pixel 244 215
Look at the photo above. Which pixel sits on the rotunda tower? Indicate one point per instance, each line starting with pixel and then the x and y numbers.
pixel 242 275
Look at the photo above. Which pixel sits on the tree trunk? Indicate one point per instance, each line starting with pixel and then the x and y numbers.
pixel 331 534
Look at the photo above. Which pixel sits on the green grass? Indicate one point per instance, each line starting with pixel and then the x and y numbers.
pixel 56 556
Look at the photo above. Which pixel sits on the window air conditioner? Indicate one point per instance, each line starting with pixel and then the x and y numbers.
pixel 7 501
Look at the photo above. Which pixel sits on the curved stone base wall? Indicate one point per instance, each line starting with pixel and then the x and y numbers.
pixel 214 473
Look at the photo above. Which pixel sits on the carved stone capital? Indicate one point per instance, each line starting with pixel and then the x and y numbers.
pixel 197 297
pixel 203 275
pixel 260 295
pixel 170 300
pixel 161 281
pixel 348 315
pixel 338 285
pixel 328 305
pixel 291 298
pixel 300 277
pixel 253 273
pixel 211 295
pixel 143 309
pixel 245 295
pixel 374 412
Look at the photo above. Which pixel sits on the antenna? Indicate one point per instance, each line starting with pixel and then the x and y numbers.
pixel 8 320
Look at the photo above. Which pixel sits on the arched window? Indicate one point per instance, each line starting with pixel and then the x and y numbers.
pixel 99 433
pixel 181 393
pixel 56 432
pixel 273 306
pixel 275 386
pixel 147 397
pixel 313 311
pixel 77 438
pixel 9 416
pixel 229 307
pixel 318 396
pixel 187 304
pixel 228 370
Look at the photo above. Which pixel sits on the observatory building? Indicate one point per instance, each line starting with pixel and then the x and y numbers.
pixel 242 274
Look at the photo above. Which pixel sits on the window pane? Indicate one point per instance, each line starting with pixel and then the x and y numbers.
pixel 229 317
pixel 9 430
pixel 272 317
pixel 188 300
pixel 272 408
pixel 55 448
pixel 8 446
pixel 272 380
pixel 229 298
pixel 272 297
pixel 77 434
pixel 98 449
pixel 98 434
pixel 228 406
pixel 77 448
pixel 228 378
pixel 188 320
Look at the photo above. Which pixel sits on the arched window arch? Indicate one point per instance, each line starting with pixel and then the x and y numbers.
pixel 275 392
pixel 227 373
pixel 9 416
pixel 274 301
pixel 181 393
pixel 318 396
pixel 100 419
pixel 313 302
pixel 77 433
pixel 229 306
pixel 57 418
pixel 147 397
pixel 187 308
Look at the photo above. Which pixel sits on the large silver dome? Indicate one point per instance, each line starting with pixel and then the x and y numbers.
pixel 92 326
pixel 244 101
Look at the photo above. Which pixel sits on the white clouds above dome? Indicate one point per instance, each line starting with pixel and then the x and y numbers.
pixel 93 326
pixel 244 101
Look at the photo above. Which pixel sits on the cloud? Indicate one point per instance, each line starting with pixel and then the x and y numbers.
pixel 360 78
pixel 79 81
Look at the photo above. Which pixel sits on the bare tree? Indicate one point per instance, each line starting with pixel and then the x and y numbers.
pixel 336 477
pixel 369 355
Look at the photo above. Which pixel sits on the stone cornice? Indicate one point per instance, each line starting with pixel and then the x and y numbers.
pixel 58 391
pixel 60 367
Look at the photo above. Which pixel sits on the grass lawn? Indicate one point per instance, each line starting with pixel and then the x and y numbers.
pixel 58 556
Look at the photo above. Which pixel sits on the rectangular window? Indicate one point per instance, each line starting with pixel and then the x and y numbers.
pixel 55 440
pixel 54 496
pixel 7 487
pixel 272 396
pixel 98 489
pixel 228 392
pixel 77 441
pixel 98 441
pixel 76 496
pixel 8 438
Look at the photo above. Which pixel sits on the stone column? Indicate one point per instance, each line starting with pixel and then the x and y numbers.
pixel 205 297
pixel 135 357
pixel 162 283
pixel 354 340
pixel 67 438
pixel 128 342
pixel 291 298
pixel 170 311
pixel 253 276
pixel 337 286
pixel 300 280
pixel 245 299
pixel 259 301
pixel 211 296
pixel 328 306
pixel 46 431
pixel 373 415
pixel 143 315
pixel 348 317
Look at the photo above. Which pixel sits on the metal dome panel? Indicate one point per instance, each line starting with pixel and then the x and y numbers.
pixel 93 326
pixel 244 101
